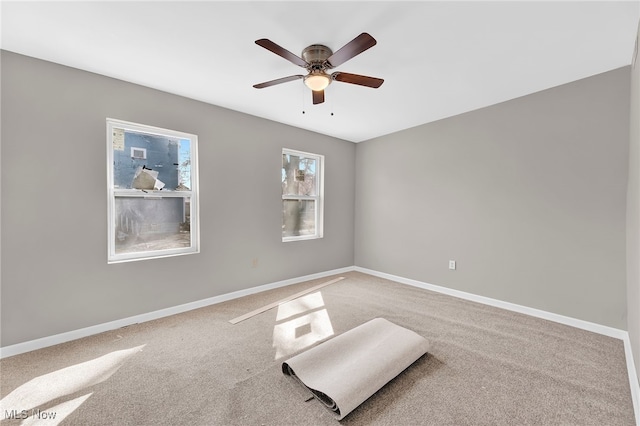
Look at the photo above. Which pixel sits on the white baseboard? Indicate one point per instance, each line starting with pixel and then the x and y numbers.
pixel 573 322
pixel 634 384
pixel 585 325
pixel 44 342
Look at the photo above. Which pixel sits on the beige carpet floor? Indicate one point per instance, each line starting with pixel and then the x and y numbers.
pixel 485 366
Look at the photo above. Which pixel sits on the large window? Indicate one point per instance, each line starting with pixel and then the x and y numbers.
pixel 302 194
pixel 152 177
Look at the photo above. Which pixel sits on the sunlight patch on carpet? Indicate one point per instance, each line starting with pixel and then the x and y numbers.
pixel 53 416
pixel 23 402
pixel 310 324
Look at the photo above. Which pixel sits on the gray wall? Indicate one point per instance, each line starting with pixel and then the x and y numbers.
pixel 55 276
pixel 633 216
pixel 528 196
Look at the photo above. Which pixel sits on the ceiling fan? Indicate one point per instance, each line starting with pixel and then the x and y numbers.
pixel 317 59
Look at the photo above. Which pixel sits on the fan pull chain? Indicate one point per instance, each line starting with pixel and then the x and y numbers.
pixel 331 104
pixel 331 100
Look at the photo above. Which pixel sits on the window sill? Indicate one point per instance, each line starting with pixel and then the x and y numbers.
pixel 301 238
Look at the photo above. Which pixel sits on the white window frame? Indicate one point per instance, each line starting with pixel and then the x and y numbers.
pixel 113 192
pixel 319 198
pixel 143 150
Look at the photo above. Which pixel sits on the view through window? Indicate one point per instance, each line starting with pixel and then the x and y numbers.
pixel 152 178
pixel 302 195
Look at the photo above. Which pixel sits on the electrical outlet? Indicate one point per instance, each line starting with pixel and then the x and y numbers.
pixel 254 262
pixel 452 264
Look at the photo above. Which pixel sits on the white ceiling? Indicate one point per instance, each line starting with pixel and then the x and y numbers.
pixel 438 59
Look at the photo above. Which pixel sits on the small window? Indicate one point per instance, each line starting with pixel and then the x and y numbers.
pixel 153 192
pixel 138 153
pixel 302 195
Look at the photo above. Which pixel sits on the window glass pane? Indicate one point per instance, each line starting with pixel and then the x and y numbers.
pixel 144 224
pixel 146 161
pixel 184 164
pixel 298 218
pixel 299 175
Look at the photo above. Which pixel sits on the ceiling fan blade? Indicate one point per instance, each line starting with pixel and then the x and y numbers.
pixel 277 81
pixel 361 80
pixel 355 47
pixel 281 51
pixel 318 96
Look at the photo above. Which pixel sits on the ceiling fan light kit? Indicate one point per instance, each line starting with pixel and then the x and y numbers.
pixel 317 59
pixel 317 80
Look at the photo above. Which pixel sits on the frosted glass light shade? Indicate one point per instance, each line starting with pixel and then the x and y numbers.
pixel 317 81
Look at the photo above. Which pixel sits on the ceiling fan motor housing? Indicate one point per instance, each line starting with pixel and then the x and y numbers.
pixel 316 56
